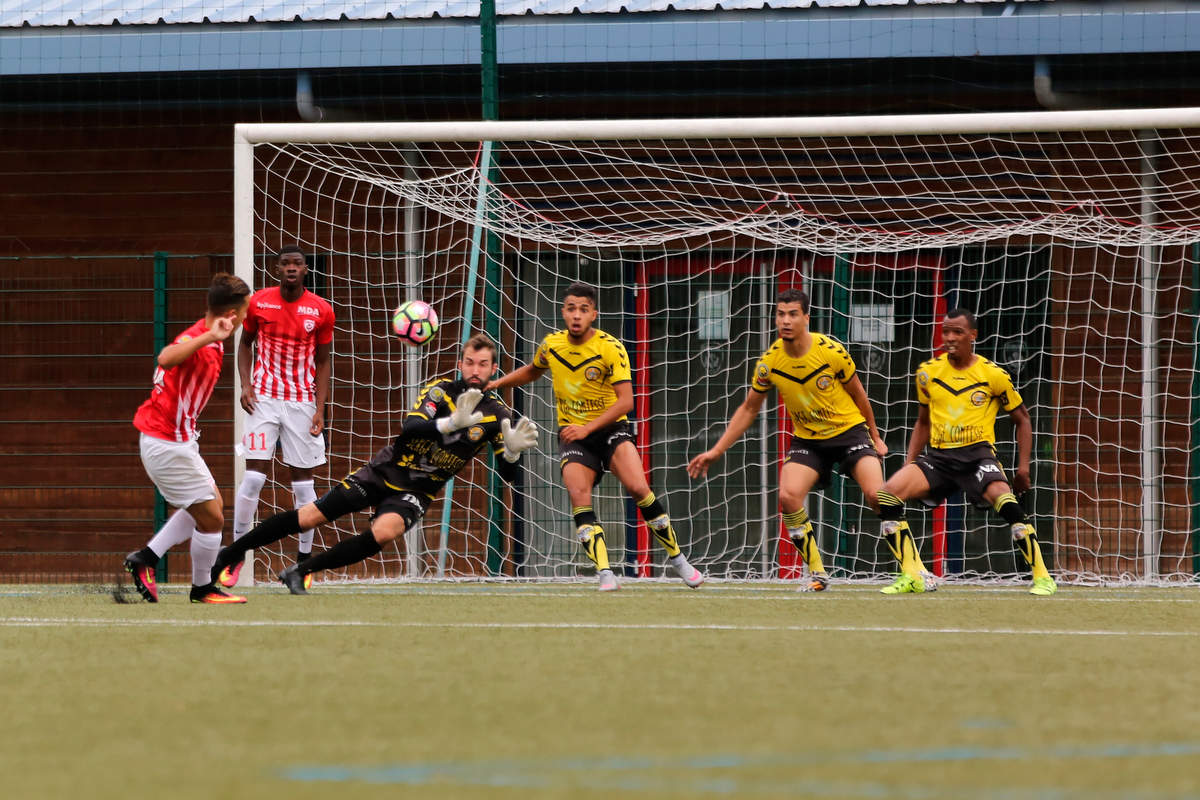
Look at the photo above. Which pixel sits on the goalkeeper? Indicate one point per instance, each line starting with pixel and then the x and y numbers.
pixel 832 422
pixel 452 420
pixel 960 394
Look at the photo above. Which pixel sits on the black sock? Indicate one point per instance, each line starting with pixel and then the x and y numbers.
pixel 271 529
pixel 584 515
pixel 344 553
pixel 1008 507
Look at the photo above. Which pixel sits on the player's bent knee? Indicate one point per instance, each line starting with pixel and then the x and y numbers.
pixel 388 528
pixel 309 516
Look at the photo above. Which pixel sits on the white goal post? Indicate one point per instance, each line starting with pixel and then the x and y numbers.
pixel 1072 234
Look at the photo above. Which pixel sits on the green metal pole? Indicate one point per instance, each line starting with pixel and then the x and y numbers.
pixel 839 328
pixel 160 341
pixel 491 303
pixel 490 88
pixel 1195 478
pixel 490 97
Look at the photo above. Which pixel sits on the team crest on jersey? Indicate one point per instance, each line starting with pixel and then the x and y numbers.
pixel 475 433
pixel 761 372
pixel 309 325
pixel 592 373
pixel 824 382
pixel 922 378
pixel 436 394
pixel 978 398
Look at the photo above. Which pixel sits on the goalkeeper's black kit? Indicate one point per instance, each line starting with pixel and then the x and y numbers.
pixel 422 459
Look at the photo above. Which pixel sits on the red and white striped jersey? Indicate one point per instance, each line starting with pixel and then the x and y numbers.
pixel 180 393
pixel 287 335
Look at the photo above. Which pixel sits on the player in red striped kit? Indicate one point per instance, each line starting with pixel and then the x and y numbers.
pixel 291 329
pixel 188 370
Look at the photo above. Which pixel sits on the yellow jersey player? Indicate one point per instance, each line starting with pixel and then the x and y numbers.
pixel 960 393
pixel 593 394
pixel 832 422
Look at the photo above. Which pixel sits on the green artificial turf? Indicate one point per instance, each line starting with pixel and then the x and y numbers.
pixel 556 691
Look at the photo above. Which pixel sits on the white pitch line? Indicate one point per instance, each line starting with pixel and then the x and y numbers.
pixel 42 622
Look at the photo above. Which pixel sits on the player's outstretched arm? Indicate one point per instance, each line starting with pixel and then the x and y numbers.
pixel 739 423
pixel 858 394
pixel 518 377
pixel 518 438
pixel 464 414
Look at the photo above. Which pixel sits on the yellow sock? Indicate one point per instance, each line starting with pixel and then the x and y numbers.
pixel 904 548
pixel 1028 545
pixel 659 522
pixel 592 539
pixel 799 530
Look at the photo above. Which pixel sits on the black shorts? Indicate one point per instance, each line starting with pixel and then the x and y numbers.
pixel 969 468
pixel 364 489
pixel 845 450
pixel 595 452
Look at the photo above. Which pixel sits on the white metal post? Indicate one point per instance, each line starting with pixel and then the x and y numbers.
pixel 1147 266
pixel 243 267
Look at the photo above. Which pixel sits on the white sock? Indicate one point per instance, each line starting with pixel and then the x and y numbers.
pixel 245 502
pixel 305 493
pixel 204 555
pixel 177 530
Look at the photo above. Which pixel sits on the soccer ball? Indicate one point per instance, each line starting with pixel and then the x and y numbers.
pixel 415 322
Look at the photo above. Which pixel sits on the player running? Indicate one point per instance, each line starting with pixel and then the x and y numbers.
pixel 960 393
pixel 832 422
pixel 188 370
pixel 593 391
pixel 452 421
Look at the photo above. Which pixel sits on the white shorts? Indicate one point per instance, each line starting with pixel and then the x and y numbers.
pixel 177 470
pixel 285 422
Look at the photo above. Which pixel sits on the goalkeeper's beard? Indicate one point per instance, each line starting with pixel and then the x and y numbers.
pixel 475 383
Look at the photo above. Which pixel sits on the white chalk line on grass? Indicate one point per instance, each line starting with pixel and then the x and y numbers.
pixel 85 622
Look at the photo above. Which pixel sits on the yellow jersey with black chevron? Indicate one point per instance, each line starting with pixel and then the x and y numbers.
pixel 963 402
pixel 811 386
pixel 583 374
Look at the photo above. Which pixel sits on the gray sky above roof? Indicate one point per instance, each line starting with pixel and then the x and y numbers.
pixel 57 13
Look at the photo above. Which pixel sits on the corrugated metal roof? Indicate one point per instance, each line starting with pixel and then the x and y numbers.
pixel 59 13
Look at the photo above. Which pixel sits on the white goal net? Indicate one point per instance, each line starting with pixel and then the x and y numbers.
pixel 1073 235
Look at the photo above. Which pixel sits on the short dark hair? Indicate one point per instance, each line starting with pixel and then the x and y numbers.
pixel 290 247
pixel 793 296
pixel 965 313
pixel 578 289
pixel 480 341
pixel 226 292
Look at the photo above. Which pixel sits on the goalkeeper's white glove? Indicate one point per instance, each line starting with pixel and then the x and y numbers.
pixel 518 438
pixel 464 414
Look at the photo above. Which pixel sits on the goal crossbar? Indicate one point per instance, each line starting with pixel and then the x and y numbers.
pixel 731 127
